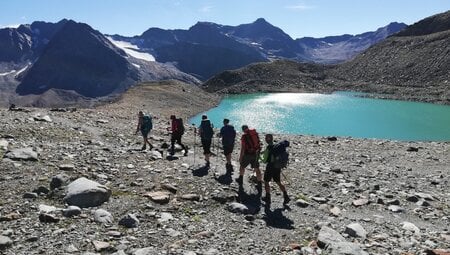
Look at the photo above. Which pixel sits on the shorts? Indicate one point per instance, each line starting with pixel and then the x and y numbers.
pixel 206 144
pixel 250 159
pixel 228 149
pixel 272 173
pixel 145 132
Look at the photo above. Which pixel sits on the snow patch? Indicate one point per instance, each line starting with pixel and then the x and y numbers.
pixel 136 65
pixel 10 72
pixel 131 50
pixel 21 70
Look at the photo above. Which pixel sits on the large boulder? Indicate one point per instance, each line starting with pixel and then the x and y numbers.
pixel 22 154
pixel 86 193
pixel 328 236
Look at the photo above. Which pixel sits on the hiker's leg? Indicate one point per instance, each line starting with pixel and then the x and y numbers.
pixel 172 145
pixel 228 157
pixel 282 187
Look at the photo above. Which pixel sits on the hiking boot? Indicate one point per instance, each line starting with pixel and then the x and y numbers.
pixel 143 148
pixel 259 188
pixel 207 165
pixel 240 180
pixel 267 199
pixel 229 167
pixel 185 151
pixel 286 199
pixel 151 147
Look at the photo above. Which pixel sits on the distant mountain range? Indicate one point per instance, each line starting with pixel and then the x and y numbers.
pixel 74 58
pixel 413 63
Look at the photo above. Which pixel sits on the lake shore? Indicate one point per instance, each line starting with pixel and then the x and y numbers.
pixel 394 190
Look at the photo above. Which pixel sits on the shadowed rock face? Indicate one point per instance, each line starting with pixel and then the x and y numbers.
pixel 81 59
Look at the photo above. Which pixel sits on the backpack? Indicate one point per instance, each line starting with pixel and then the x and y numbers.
pixel 280 157
pixel 147 123
pixel 252 143
pixel 179 126
pixel 228 134
pixel 207 131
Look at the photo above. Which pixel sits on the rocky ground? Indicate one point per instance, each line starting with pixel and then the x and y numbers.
pixel 349 196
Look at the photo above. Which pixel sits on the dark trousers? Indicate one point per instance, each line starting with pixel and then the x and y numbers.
pixel 176 138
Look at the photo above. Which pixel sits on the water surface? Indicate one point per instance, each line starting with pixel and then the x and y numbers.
pixel 338 114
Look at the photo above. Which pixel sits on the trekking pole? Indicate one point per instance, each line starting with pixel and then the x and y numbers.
pixel 195 140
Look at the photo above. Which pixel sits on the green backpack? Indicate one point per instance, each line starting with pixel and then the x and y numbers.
pixel 147 123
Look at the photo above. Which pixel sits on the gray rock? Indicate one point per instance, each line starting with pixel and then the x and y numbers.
pixel 396 208
pixel 191 197
pixel 320 200
pixel 4 144
pixel 413 198
pixel 328 236
pixel 408 226
pixel 223 197
pixel 129 221
pixel 48 218
pixel 345 248
pixel 22 154
pixel 335 211
pixel 5 242
pixel 172 232
pixel 58 181
pixel 164 217
pixel 160 197
pixel 71 211
pixel 103 216
pixel 86 193
pixel 145 251
pixel 30 195
pixel 100 245
pixel 238 208
pixel 169 187
pixel 393 202
pixel 47 209
pixel 355 230
pixel 44 118
pixel 302 203
pixel 67 167
pixel 425 196
pixel 155 155
pixel 360 202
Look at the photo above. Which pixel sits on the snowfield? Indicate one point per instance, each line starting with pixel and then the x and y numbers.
pixel 131 49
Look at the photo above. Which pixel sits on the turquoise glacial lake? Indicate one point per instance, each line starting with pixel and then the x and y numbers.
pixel 338 114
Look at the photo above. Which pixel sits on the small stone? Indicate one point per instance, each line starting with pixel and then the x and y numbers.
pixel 335 211
pixel 47 208
pixel 410 227
pixel 100 246
pixel 159 197
pixel 328 236
pixel 360 202
pixel 5 242
pixel 412 149
pixel 45 118
pixel 58 181
pixel 103 216
pixel 41 190
pixel 191 197
pixel 30 195
pixel 164 217
pixel 67 167
pixel 355 230
pixel 48 218
pixel 169 187
pixel 22 154
pixel 320 200
pixel 393 202
pixel 302 203
pixel 413 198
pixel 238 208
pixel 396 209
pixel 423 203
pixel 173 233
pixel 129 221
pixel 71 211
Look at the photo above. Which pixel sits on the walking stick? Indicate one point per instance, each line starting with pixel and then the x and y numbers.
pixel 195 140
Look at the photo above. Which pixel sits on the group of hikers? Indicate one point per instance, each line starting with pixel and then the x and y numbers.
pixel 274 155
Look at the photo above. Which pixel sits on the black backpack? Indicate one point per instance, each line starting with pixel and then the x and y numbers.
pixel 180 126
pixel 207 130
pixel 147 123
pixel 280 156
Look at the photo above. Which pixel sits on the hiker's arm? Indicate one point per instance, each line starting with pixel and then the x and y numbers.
pixel 138 125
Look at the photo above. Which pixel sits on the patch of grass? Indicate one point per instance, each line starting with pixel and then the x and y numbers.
pixel 196 218
pixel 302 196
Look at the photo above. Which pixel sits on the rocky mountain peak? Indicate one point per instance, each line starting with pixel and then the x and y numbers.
pixel 436 23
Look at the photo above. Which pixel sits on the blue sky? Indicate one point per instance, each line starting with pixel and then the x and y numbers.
pixel 298 18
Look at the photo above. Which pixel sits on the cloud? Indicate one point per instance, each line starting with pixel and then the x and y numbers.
pixel 206 9
pixel 300 7
pixel 10 26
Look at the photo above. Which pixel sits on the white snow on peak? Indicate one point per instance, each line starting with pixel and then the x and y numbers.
pixel 136 65
pixel 131 49
pixel 21 70
pixel 10 72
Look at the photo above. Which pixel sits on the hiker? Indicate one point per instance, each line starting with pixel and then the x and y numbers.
pixel 273 169
pixel 144 125
pixel 250 148
pixel 206 134
pixel 228 135
pixel 177 129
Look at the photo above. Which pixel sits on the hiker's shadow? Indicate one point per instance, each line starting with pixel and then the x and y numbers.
pixel 252 201
pixel 276 218
pixel 201 171
pixel 227 178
